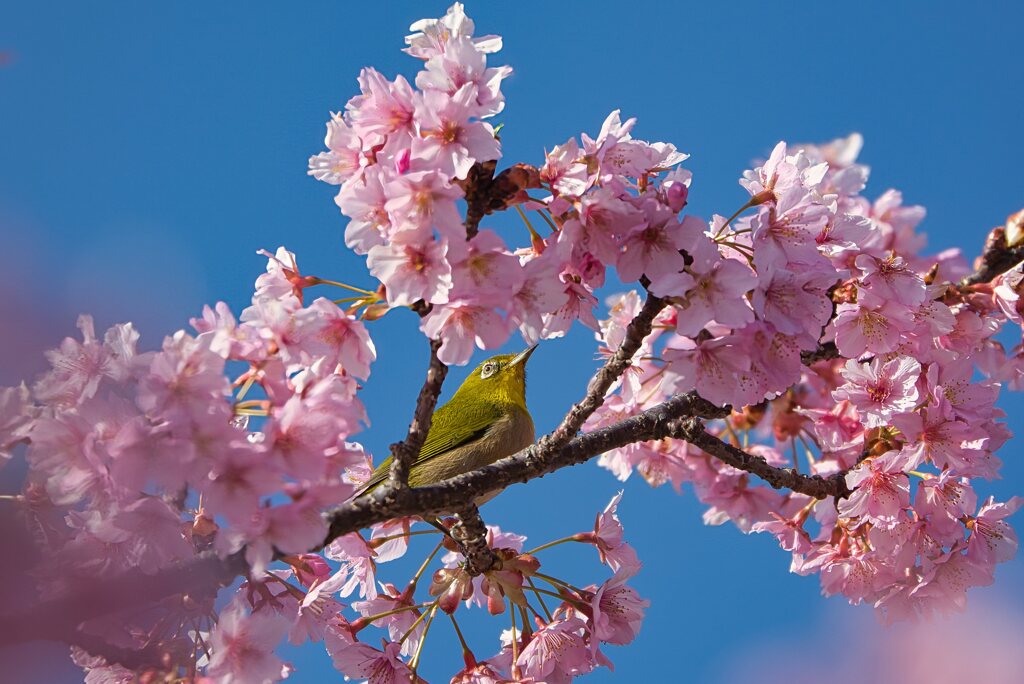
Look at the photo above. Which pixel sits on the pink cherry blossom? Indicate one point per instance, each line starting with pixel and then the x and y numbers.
pixel 795 303
pixel 79 367
pixel 398 623
pixel 652 248
pixel 488 271
pixel 242 647
pixel 837 429
pixel 16 416
pixel 891 279
pixel 432 35
pixel 461 325
pixel 237 481
pixel 557 652
pixel 716 295
pixel 711 365
pixel 364 202
pixel 787 233
pixel 730 497
pixel 946 580
pixel 607 538
pixel 385 108
pixel 324 329
pixel 345 156
pixel 992 539
pixel 412 272
pixel 945 500
pixel 871 327
pixel 934 435
pixel 542 293
pixel 578 303
pixel 564 169
pixel 622 308
pixel 357 566
pixel 361 661
pixel 789 532
pixel 460 63
pixel 880 491
pixel 772 178
pixel 448 140
pixel 618 612
pixel 420 202
pixel 613 131
pixel 881 388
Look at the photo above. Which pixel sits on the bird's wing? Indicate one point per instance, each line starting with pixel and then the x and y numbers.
pixel 448 430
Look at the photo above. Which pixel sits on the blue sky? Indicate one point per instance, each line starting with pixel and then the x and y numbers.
pixel 150 149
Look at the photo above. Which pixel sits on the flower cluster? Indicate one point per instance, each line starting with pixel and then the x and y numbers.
pixel 403 157
pixel 556 628
pixel 139 460
pixel 888 394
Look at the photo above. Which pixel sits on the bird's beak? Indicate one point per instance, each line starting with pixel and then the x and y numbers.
pixel 522 357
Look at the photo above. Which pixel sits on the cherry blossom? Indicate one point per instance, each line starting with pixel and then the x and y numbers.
pixel 880 389
pixel 243 647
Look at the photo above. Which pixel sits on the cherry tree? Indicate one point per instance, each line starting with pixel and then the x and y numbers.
pixel 801 363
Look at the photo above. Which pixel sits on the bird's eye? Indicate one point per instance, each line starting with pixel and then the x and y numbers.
pixel 487 371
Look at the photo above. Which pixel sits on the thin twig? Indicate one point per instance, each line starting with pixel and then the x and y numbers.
pixel 404 453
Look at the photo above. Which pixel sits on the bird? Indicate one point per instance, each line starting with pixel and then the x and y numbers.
pixel 484 421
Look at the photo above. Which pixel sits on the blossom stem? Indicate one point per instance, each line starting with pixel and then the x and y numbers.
pixel 550 544
pixel 748 205
pixel 562 597
pixel 335 283
pixel 423 568
pixel 515 638
pixel 462 639
pixel 423 639
pixel 372 618
pixel 529 226
pixel 808 452
pixel 250 403
pixel 245 388
pixel 739 247
pixel 289 587
pixel 732 434
pixel 544 215
pixel 540 598
pixel 554 581
pixel 380 540
pixel 433 607
pixel 251 412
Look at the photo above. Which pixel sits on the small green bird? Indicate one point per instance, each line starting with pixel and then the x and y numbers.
pixel 483 422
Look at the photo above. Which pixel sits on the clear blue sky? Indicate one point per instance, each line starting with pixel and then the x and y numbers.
pixel 150 149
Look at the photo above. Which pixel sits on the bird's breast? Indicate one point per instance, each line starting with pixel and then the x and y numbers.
pixel 508 434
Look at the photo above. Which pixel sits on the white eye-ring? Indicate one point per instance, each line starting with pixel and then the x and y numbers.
pixel 488 370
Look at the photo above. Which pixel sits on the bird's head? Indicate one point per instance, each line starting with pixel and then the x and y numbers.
pixel 499 379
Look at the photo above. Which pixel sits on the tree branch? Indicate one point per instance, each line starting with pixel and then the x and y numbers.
pixel 528 464
pixel 996 258
pixel 471 534
pixel 638 329
pixel 404 453
pixel 486 193
pixel 825 351
pixel 779 478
